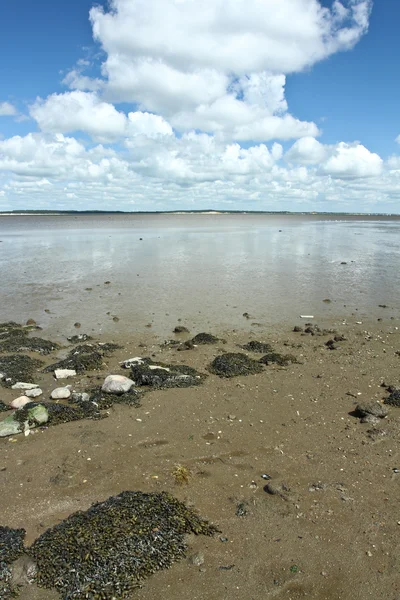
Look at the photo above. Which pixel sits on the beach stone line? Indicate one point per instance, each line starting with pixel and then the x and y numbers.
pixel 34 393
pixel 20 402
pixel 24 386
pixel 64 373
pixel 117 384
pixel 61 393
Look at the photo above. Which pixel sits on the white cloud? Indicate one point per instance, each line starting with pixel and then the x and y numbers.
pixel 217 65
pixel 351 161
pixel 7 110
pixel 86 112
pixel 306 151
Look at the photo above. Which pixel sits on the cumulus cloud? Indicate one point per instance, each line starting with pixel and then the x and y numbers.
pixel 351 161
pixel 7 110
pixel 86 112
pixel 217 65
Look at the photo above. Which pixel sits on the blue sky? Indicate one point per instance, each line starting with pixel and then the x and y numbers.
pixel 148 121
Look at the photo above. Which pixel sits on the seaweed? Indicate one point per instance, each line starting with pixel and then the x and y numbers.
pixel 255 346
pixel 4 407
pixel 108 550
pixel 86 357
pixel 11 547
pixel 280 359
pixel 21 342
pixel 104 401
pixel 204 338
pixel 162 375
pixel 233 364
pixel 18 367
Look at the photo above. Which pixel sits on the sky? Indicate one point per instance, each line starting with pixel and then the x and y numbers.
pixel 156 105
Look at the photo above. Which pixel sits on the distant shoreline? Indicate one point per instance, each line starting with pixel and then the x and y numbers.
pixel 44 213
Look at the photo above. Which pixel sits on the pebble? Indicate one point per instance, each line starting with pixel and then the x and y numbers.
pixel 20 402
pixel 117 384
pixel 61 393
pixel 197 559
pixel 34 393
pixel 24 386
pixel 80 397
pixel 64 373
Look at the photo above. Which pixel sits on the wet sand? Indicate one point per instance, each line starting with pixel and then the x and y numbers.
pixel 332 533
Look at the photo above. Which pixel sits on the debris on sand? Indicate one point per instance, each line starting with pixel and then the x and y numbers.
pixel 18 367
pixel 108 550
pixel 87 357
pixel 161 375
pixel 254 346
pixel 204 338
pixel 233 364
pixel 11 547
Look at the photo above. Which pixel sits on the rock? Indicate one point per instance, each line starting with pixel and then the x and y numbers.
pixel 370 419
pixel 376 409
pixel 61 393
pixel 197 559
pixel 34 393
pixel 12 425
pixel 24 386
pixel 80 397
pixel 130 362
pixel 64 373
pixel 204 338
pixel 20 402
pixel 181 329
pixel 31 322
pixel 117 384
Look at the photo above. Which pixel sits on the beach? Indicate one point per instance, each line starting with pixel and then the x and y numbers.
pixel 304 494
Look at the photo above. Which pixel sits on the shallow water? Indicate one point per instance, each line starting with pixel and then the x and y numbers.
pixel 206 269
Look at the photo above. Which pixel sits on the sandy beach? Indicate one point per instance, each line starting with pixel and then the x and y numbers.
pixel 322 523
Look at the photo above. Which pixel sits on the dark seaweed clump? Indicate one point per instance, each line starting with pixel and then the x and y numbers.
pixel 86 357
pixel 20 342
pixel 3 407
pixel 394 398
pixel 176 375
pixel 279 359
pixel 11 547
pixel 108 550
pixel 105 401
pixel 204 338
pixel 233 364
pixel 18 367
pixel 255 346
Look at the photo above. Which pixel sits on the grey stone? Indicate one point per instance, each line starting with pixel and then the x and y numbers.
pixel 33 393
pixel 61 393
pixel 117 384
pixel 24 386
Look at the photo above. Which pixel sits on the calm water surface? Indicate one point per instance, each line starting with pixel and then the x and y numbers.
pixel 206 269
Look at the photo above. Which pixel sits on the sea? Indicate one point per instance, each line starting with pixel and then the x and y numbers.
pixel 122 274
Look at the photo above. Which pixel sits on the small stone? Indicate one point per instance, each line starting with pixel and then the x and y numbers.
pixel 181 329
pixel 34 393
pixel 31 322
pixel 64 373
pixel 80 397
pixel 77 325
pixel 197 559
pixel 61 393
pixel 20 402
pixel 24 386
pixel 376 409
pixel 117 384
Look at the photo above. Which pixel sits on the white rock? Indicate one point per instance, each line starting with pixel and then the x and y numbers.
pixel 34 393
pixel 153 367
pixel 129 362
pixel 20 402
pixel 61 392
pixel 24 386
pixel 64 373
pixel 117 384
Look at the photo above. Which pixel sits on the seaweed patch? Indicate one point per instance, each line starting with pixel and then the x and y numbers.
pixel 108 550
pixel 11 547
pixel 162 375
pixel 18 367
pixel 86 357
pixel 233 364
